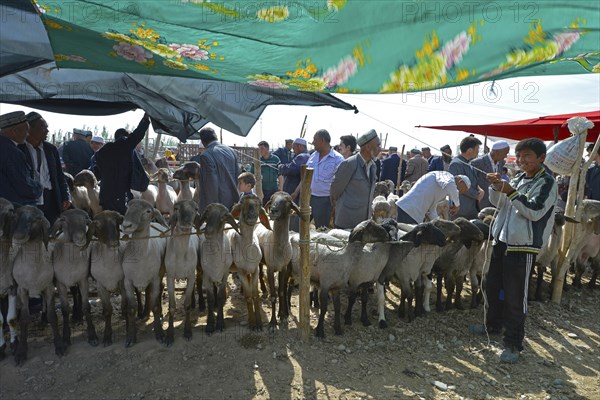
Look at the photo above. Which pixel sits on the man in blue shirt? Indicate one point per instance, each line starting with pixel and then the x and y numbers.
pixel 324 161
pixel 268 170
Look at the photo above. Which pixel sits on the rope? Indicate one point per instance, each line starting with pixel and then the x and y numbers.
pixel 262 164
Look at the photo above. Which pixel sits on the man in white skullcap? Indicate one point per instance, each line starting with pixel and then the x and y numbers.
pixel 490 163
pixel 427 192
pixel 354 183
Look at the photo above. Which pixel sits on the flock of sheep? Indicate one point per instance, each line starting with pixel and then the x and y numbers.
pixel 141 250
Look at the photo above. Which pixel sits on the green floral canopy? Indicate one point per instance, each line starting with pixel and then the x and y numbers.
pixel 328 46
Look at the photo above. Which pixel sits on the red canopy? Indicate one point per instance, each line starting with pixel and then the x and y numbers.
pixel 542 127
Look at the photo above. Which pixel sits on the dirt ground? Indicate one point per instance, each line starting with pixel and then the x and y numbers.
pixel 431 358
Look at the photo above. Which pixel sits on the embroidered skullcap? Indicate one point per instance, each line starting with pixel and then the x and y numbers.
pixel 12 119
pixel 366 138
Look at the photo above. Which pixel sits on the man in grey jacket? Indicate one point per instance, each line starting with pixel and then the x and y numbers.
pixel 460 165
pixel 219 170
pixel 354 183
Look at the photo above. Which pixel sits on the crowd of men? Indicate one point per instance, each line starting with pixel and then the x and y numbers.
pixel 31 173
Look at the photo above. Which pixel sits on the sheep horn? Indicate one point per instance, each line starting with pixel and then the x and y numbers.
pixel 236 210
pixel 296 209
pixel 57 228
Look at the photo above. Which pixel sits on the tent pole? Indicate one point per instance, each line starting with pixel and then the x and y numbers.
pixel 555 131
pixel 485 145
pixel 156 146
pixel 304 300
pixel 257 174
pixel 398 182
pixel 572 235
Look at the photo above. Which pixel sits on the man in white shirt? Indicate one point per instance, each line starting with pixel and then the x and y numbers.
pixel 44 159
pixel 324 161
pixel 427 192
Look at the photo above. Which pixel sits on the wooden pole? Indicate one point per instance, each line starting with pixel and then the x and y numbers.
pixel 305 193
pixel 257 174
pixel 556 132
pixel 146 141
pixel 221 135
pixel 485 145
pixel 571 235
pixel 398 180
pixel 303 128
pixel 385 141
pixel 156 147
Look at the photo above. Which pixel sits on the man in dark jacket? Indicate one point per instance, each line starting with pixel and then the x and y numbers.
pixel 43 157
pixel 461 165
pixel 77 153
pixel 291 171
pixel 219 171
pixel 441 163
pixel 17 179
pixel 389 167
pixel 115 163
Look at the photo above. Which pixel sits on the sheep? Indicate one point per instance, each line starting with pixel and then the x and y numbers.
pixel 548 255
pixel 424 262
pixel 106 266
pixel 8 288
pixel 150 194
pixel 215 259
pixel 86 179
pixel 166 198
pixel 277 251
pixel 33 274
pixel 480 262
pixel 589 256
pixel 405 187
pixel 455 263
pixel 418 246
pixel 381 208
pixel 330 266
pixel 384 188
pixel 79 195
pixel 189 170
pixel 393 210
pixel 181 261
pixel 247 253
pixel 143 262
pixel 590 224
pixel 73 231
pixel 149 166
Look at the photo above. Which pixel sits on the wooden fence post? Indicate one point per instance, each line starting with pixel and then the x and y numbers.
pixel 305 193
pixel 258 189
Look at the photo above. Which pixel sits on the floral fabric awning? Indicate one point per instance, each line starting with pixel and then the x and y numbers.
pixel 331 46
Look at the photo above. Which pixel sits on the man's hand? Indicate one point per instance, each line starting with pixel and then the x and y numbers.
pixel 66 204
pixel 454 209
pixel 480 194
pixel 498 184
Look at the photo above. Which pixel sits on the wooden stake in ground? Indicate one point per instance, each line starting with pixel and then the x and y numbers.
pixel 305 193
pixel 572 209
pixel 257 174
pixel 398 181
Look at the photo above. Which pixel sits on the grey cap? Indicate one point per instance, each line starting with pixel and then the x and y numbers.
pixel 32 116
pixel 12 119
pixel 366 138
pixel 465 179
pixel 415 151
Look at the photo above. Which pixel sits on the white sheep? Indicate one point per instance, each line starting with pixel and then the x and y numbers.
pixel 8 287
pixel 589 256
pixel 79 195
pixel 215 260
pixel 32 271
pixel 105 266
pixel 85 178
pixel 392 199
pixel 277 251
pixel 143 262
pixel 166 197
pixel 247 253
pixel 381 208
pixel 330 266
pixel 71 264
pixel 189 170
pixel 181 261
pixel 548 255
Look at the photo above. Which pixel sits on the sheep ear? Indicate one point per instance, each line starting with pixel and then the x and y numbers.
pixel 90 233
pixel 45 231
pixel 296 209
pixel 172 222
pixel 157 217
pixel 268 205
pixel 356 235
pixel 229 219
pixel 597 226
pixel 467 243
pixel 264 218
pixel 236 210
pixel 120 219
pixel 198 222
pixel 57 228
